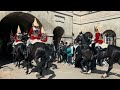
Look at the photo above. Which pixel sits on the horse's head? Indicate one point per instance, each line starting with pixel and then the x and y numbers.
pixel 83 39
pixel 25 37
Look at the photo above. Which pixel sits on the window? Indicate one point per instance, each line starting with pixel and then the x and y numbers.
pixel 109 37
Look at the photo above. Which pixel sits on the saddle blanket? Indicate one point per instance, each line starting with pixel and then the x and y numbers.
pixel 103 45
pixel 34 41
pixel 18 42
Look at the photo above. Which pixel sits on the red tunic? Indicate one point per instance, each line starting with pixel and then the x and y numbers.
pixel 32 37
pixel 16 39
pixel 97 38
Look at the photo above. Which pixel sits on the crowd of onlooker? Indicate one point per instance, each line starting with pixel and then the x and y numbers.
pixel 69 53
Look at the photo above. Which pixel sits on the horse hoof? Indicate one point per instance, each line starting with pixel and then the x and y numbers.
pixel 39 76
pixel 27 72
pixel 89 72
pixel 84 70
pixel 104 75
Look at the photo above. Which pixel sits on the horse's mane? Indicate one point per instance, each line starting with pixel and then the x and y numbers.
pixel 85 38
pixel 38 43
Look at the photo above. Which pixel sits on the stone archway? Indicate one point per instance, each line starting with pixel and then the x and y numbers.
pixel 11 22
pixel 109 37
pixel 57 35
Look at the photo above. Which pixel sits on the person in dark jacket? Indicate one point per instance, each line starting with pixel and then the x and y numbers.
pixel 64 52
pixel 78 56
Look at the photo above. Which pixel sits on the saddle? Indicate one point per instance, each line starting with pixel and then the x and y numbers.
pixel 35 41
pixel 103 45
pixel 18 42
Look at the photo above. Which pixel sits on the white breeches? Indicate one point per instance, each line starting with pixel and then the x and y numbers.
pixel 103 45
pixel 29 41
pixel 15 43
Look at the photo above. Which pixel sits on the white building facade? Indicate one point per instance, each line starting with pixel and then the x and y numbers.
pixel 74 22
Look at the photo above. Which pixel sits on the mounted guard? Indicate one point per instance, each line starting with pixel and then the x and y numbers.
pixel 36 34
pixel 17 38
pixel 98 39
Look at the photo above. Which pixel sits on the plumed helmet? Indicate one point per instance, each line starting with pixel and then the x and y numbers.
pixel 18 30
pixel 35 23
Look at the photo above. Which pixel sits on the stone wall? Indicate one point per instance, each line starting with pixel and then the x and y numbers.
pixel 50 20
pixel 108 20
pixel 75 21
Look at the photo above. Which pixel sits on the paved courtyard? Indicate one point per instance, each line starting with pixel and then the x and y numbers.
pixel 64 71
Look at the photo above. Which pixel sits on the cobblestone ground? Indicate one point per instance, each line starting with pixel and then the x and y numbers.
pixel 9 71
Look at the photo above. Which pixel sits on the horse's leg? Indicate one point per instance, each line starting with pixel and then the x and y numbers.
pixel 58 58
pixel 18 63
pixel 109 69
pixel 27 60
pixel 89 66
pixel 44 63
pixel 101 62
pixel 82 66
pixel 38 64
pixel 31 65
pixel 39 68
pixel 93 64
pixel 14 58
pixel 46 66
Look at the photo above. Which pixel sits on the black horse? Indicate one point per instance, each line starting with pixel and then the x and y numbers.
pixel 42 55
pixel 19 53
pixel 86 52
pixel 99 54
pixel 113 54
pixel 110 54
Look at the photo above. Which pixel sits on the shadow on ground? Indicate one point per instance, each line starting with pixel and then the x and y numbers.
pixel 4 61
pixel 102 72
pixel 46 71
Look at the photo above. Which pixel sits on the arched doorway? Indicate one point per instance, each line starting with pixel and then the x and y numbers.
pixel 57 35
pixel 89 35
pixel 109 37
pixel 11 22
